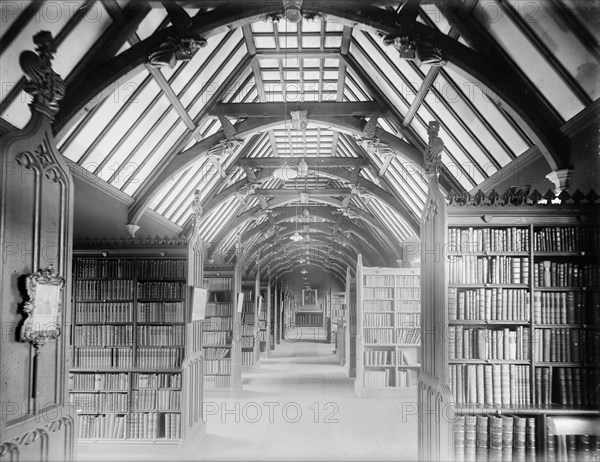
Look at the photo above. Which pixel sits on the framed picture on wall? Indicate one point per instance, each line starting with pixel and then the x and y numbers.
pixel 309 297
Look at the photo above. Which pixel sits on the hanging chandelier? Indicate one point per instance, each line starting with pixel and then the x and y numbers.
pixel 285 172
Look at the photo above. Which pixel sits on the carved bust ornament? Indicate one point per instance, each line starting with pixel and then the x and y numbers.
pixel 433 152
pixel 45 85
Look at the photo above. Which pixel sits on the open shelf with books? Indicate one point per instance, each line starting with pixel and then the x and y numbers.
pixel 262 318
pixel 351 319
pixel 388 354
pixel 249 328
pixel 221 336
pixel 338 323
pixel 515 296
pixel 137 367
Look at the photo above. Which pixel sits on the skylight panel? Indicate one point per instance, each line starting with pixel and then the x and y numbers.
pixel 533 64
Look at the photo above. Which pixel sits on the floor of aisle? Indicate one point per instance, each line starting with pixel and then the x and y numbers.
pixel 299 405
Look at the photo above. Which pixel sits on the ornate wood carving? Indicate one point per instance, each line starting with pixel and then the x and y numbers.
pixel 519 198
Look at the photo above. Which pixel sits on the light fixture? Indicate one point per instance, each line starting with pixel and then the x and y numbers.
pixel 304 271
pixel 293 12
pixel 296 237
pixel 285 172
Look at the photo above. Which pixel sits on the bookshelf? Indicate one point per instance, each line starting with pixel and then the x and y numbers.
pixel 517 301
pixel 262 317
pixel 137 366
pixel 250 328
pixel 338 319
pixel 350 334
pixel 221 336
pixel 388 332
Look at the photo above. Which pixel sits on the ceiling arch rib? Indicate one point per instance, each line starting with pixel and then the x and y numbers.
pixel 255 124
pixel 324 231
pixel 541 125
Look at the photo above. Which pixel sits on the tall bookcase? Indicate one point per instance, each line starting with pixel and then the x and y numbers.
pixel 338 323
pixel 137 364
pixel 250 327
pixel 262 318
pixel 351 319
pixel 388 332
pixel 221 336
pixel 520 323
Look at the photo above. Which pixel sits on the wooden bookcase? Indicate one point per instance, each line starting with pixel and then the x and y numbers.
pixel 137 367
pixel 250 327
pixel 388 332
pixel 221 336
pixel 262 319
pixel 350 334
pixel 520 321
pixel 338 323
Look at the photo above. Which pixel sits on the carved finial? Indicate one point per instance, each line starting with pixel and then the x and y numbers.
pixel 196 208
pixel 433 151
pixel 45 85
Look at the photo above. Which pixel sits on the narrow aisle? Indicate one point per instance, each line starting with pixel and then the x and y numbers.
pixel 300 406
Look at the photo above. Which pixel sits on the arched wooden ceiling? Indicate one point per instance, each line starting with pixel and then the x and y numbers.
pixel 513 73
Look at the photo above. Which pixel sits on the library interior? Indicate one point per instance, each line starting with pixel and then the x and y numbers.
pixel 300 230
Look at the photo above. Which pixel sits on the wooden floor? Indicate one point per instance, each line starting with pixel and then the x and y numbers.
pixel 300 406
pixel 297 406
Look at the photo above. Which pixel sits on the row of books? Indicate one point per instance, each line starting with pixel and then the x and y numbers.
pixel 378 319
pixel 486 343
pixel 567 385
pixel 380 357
pixel 219 309
pixel 469 269
pixel 577 448
pixel 119 381
pixel 561 345
pixel 104 268
pixel 171 269
pixel 216 382
pixel 407 281
pixel 118 289
pixel 408 320
pixel 488 239
pixel 218 283
pixel 379 280
pixel 173 426
pixel 103 312
pixel 143 425
pixel 160 335
pixel 408 335
pixel 159 358
pixel 549 273
pixel 217 338
pixel 247 342
pixel 162 380
pixel 484 304
pixel 161 290
pixel 102 335
pixel 160 312
pixel 408 293
pixel 247 358
pixel 377 379
pixel 494 438
pixel 491 384
pixel 377 293
pixel 218 366
pixel 216 353
pixel 247 330
pixel 218 323
pixel 559 307
pixel 100 403
pixel 103 358
pixel 406 378
pixel 153 399
pixel 309 319
pixel 567 239
pixel 374 306
pixel 408 306
pixel 379 335
pixel 110 426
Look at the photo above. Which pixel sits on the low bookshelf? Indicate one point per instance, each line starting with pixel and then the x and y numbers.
pixel 388 332
pixel 136 374
pixel 221 337
pixel 351 319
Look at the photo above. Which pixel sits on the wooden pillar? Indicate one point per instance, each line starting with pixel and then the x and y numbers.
pixel 277 310
pixel 270 345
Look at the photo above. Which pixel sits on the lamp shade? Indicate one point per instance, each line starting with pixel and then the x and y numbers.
pixel 285 172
